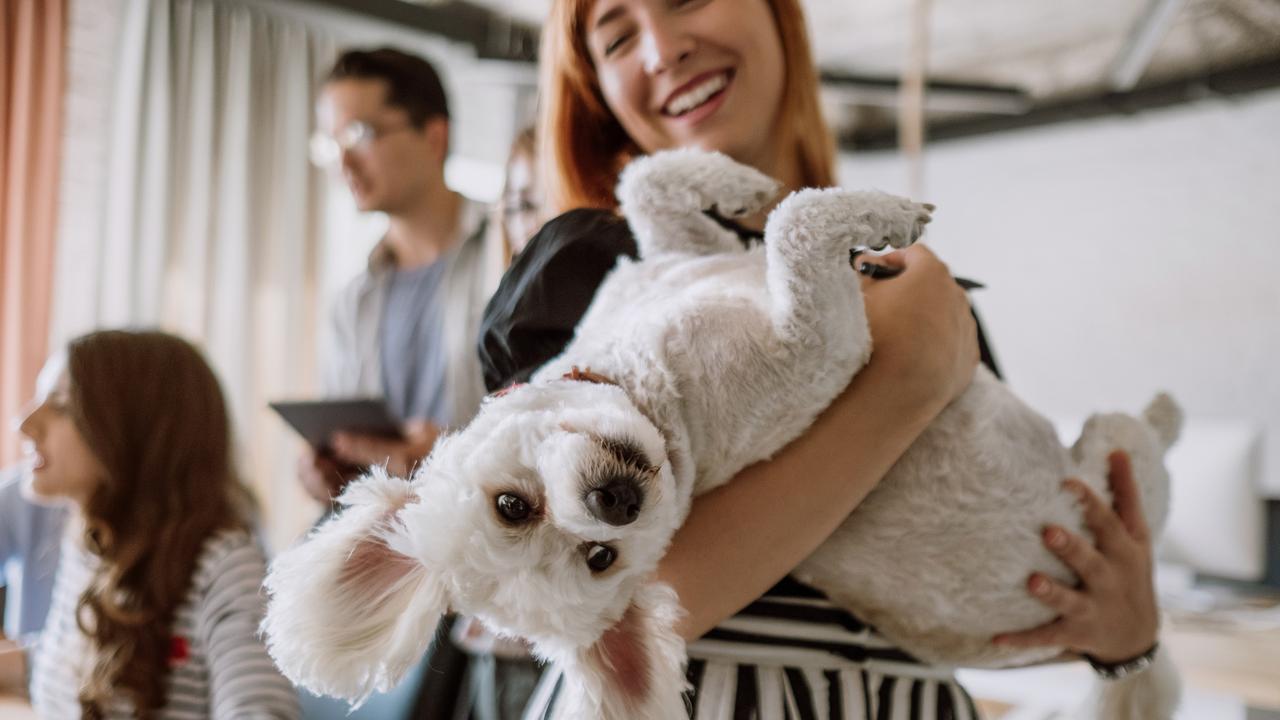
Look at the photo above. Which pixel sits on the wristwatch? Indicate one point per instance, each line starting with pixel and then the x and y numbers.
pixel 1124 668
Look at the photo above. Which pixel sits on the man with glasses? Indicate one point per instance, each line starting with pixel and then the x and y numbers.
pixel 405 328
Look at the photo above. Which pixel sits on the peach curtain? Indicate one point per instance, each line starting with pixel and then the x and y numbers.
pixel 31 81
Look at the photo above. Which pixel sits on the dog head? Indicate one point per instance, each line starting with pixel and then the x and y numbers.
pixel 547 511
pixel 544 518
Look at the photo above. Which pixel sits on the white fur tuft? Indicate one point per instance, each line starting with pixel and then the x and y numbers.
pixel 348 616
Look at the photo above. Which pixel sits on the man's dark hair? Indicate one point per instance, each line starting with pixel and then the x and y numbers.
pixel 412 82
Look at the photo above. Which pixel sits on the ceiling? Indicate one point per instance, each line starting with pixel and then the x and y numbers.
pixel 1047 52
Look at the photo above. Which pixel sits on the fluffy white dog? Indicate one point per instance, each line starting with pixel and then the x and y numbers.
pixel 546 516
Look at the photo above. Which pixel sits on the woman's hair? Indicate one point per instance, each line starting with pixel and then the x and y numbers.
pixel 584 147
pixel 524 144
pixel 151 410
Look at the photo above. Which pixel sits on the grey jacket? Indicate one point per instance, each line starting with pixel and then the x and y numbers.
pixel 352 363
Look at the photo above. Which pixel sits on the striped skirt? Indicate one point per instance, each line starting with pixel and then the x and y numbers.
pixel 793 655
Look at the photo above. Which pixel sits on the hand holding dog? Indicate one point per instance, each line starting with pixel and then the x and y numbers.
pixel 922 326
pixel 1112 613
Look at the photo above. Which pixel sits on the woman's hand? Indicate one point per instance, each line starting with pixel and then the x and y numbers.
pixel 922 326
pixel 1111 615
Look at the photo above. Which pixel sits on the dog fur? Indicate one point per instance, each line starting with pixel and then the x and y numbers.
pixel 718 356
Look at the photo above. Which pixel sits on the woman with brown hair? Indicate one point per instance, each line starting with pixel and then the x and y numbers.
pixel 626 77
pixel 157 601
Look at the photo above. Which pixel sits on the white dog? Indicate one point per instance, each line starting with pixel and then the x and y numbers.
pixel 546 516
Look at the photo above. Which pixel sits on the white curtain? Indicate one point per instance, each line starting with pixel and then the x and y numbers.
pixel 187 200
pixel 209 218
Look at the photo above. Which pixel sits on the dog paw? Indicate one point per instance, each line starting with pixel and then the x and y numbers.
pixel 697 181
pixel 856 219
pixel 896 221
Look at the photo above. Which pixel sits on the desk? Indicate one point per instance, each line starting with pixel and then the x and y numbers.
pixel 12 708
pixel 1242 663
pixel 1226 673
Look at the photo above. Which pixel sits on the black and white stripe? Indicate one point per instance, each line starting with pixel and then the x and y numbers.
pixel 793 655
pixel 227 672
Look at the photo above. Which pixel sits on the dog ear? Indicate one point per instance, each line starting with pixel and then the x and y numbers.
pixel 637 667
pixel 348 614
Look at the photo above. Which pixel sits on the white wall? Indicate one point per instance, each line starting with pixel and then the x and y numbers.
pixel 1122 255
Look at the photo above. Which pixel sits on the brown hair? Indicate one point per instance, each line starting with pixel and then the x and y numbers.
pixel 585 147
pixel 412 83
pixel 151 410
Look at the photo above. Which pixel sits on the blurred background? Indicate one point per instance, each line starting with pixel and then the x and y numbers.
pixel 1109 170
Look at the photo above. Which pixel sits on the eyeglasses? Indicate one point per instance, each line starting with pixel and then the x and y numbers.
pixel 325 149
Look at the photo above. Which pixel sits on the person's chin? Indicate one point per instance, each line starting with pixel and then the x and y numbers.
pixel 43 491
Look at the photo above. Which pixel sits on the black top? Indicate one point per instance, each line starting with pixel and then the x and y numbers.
pixel 547 290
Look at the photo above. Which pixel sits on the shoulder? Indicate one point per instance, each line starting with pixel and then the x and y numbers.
pixel 589 231
pixel 229 558
pixel 578 248
pixel 531 316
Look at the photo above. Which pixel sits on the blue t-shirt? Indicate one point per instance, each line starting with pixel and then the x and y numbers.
pixel 30 536
pixel 413 357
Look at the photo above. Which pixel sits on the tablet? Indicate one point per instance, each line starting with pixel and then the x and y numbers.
pixel 317 420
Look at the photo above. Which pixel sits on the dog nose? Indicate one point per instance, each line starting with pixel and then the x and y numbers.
pixel 616 502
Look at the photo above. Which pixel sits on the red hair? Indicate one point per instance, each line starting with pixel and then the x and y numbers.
pixel 584 147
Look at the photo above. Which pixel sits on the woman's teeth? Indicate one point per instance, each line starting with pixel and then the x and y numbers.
pixel 696 96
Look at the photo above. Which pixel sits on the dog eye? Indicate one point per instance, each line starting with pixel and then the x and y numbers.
pixel 600 557
pixel 513 508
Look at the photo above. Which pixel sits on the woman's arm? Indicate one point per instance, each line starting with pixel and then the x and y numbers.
pixel 743 537
pixel 243 681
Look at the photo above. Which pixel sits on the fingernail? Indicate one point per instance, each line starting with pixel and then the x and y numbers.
pixel 1074 487
pixel 1056 538
pixel 1039 585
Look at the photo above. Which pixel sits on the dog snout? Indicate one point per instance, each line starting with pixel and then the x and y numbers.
pixel 617 502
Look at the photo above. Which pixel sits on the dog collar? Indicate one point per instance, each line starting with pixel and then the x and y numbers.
pixel 587 376
pixel 576 373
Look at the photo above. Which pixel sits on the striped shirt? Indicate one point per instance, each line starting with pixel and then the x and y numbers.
pixel 794 655
pixel 219 667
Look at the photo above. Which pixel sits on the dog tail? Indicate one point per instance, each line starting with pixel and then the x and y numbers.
pixel 1165 417
pixel 1152 694
pixel 348 615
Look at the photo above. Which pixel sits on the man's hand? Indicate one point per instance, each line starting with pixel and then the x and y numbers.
pixel 400 456
pixel 322 476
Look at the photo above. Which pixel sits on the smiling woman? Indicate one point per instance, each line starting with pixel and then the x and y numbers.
pixel 623 78
pixel 156 604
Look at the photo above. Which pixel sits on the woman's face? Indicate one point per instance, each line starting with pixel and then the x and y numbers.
pixel 691 73
pixel 62 463
pixel 522 204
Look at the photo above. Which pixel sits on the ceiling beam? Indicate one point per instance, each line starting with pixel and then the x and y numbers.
pixel 1227 83
pixel 940 95
pixel 493 35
